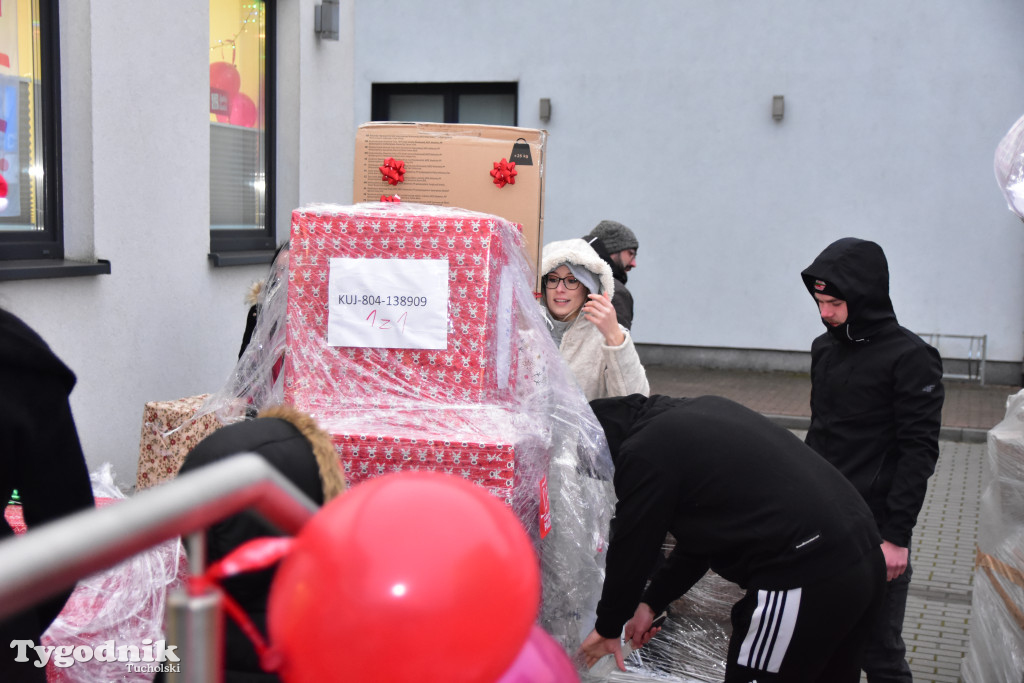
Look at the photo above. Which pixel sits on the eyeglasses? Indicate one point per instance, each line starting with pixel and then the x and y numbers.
pixel 551 282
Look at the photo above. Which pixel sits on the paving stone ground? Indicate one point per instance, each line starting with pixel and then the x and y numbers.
pixel 938 618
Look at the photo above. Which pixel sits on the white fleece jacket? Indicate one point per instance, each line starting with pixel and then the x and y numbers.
pixel 600 370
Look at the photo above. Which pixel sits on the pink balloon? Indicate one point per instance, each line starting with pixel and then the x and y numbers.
pixel 243 111
pixel 542 660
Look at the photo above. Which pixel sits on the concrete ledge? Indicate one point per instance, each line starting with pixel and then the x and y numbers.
pixel 761 360
pixel 770 360
pixel 791 421
pixel 961 434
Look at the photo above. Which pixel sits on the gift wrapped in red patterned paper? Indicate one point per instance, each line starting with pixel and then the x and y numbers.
pixel 118 607
pixel 411 333
pixel 396 306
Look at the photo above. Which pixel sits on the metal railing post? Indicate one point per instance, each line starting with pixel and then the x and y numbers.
pixel 52 557
pixel 195 624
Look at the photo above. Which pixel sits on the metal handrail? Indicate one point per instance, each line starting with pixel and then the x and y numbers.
pixel 977 352
pixel 52 557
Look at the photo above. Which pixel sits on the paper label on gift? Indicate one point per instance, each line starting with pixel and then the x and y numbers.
pixel 388 303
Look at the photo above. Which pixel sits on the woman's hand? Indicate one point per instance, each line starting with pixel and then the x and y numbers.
pixel 599 310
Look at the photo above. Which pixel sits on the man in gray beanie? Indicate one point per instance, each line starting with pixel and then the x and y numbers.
pixel 617 245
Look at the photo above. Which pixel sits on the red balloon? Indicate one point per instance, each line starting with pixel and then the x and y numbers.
pixel 243 111
pixel 542 660
pixel 413 576
pixel 225 77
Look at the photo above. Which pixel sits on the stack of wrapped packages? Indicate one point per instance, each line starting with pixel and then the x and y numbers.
pixel 996 649
pixel 412 334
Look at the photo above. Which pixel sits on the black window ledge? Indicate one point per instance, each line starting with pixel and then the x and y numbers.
pixel 38 269
pixel 221 259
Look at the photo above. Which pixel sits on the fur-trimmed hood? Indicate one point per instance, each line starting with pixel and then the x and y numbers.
pixel 331 477
pixel 288 439
pixel 578 253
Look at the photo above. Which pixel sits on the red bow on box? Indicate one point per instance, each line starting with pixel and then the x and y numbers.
pixel 390 198
pixel 393 171
pixel 504 173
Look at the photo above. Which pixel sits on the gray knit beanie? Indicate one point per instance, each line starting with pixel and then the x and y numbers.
pixel 615 236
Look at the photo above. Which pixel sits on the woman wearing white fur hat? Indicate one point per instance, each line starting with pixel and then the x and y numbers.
pixel 578 289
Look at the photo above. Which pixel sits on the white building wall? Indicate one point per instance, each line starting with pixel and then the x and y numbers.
pixel 165 323
pixel 661 120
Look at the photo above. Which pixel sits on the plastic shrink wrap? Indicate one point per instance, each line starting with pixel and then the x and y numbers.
pixel 996 650
pixel 1009 167
pixel 483 394
pixel 123 604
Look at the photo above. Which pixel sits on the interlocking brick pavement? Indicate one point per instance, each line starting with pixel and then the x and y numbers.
pixel 937 621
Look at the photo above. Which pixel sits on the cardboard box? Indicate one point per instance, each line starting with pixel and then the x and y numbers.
pixel 451 164
pixel 169 432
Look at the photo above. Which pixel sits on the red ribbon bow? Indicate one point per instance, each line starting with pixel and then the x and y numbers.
pixel 504 173
pixel 390 198
pixel 253 555
pixel 393 170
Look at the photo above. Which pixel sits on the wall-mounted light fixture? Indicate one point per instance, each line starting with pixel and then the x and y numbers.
pixel 778 107
pixel 545 109
pixel 327 19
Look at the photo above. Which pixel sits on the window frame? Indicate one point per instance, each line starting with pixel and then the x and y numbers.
pixel 236 247
pixel 47 245
pixel 382 92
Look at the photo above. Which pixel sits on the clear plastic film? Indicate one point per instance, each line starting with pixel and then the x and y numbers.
pixel 256 381
pixel 1009 167
pixel 122 606
pixel 693 643
pixel 996 648
pixel 412 334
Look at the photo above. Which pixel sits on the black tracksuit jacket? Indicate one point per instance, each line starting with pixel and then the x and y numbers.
pixel 876 390
pixel 741 495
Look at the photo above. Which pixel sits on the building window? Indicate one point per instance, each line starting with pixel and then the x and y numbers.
pixel 241 131
pixel 484 103
pixel 30 192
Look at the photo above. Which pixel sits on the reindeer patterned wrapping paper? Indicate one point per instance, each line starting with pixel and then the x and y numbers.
pixel 321 377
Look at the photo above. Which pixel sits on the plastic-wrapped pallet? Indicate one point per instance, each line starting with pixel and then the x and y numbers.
pixel 411 333
pixel 119 607
pixel 996 650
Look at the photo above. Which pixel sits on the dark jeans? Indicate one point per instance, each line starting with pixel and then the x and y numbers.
pixel 885 654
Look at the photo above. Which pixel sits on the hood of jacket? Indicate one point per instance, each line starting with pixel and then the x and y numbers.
pixel 578 253
pixel 25 350
pixel 618 272
pixel 288 439
pixel 617 416
pixel 858 269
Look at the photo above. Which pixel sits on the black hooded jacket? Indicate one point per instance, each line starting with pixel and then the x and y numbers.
pixel 741 495
pixel 294 444
pixel 40 456
pixel 876 390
